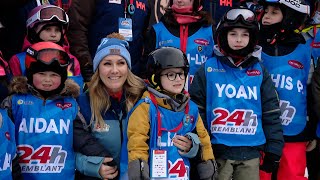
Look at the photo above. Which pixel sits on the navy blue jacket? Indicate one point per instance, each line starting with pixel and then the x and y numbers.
pixel 90 21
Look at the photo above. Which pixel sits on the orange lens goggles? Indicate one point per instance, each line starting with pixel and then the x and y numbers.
pixel 47 56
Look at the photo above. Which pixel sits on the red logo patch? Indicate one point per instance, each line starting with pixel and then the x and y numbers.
pixel 295 64
pixel 202 42
pixel 7 136
pixel 315 45
pixel 64 106
pixel 253 72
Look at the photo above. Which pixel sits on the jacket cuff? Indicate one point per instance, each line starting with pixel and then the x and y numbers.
pixel 89 165
pixel 195 145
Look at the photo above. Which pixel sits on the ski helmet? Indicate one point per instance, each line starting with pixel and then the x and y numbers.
pixel 42 16
pixel 237 18
pixel 165 58
pixel 46 56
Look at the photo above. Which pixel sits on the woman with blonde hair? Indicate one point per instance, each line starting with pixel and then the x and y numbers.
pixel 112 92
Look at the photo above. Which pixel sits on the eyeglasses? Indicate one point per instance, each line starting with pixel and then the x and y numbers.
pixel 173 76
pixel 47 14
pixel 47 56
pixel 293 4
pixel 246 14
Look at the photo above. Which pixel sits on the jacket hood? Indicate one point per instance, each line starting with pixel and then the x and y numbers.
pixel 176 103
pixel 252 58
pixel 19 84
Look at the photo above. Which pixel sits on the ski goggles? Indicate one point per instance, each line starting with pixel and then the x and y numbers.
pixel 293 4
pixel 246 14
pixel 47 56
pixel 47 14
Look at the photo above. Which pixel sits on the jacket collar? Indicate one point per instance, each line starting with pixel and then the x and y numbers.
pixel 252 58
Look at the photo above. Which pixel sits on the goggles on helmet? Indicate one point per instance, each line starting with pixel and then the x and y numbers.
pixel 47 56
pixel 246 14
pixel 293 4
pixel 47 14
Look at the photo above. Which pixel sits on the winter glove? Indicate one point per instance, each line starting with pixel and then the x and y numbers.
pixel 270 162
pixel 208 170
pixel 138 170
pixel 87 72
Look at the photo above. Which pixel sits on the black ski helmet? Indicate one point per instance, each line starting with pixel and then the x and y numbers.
pixel 237 18
pixel 165 58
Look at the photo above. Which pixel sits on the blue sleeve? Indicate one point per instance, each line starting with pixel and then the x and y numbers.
pixel 195 145
pixel 88 165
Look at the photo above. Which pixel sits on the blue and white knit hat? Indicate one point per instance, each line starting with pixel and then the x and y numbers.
pixel 111 46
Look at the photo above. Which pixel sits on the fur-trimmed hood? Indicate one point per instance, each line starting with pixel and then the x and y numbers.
pixel 19 84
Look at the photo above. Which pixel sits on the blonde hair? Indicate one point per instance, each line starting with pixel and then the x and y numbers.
pixel 100 99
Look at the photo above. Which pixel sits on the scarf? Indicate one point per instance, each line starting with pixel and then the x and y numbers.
pixel 116 95
pixel 184 17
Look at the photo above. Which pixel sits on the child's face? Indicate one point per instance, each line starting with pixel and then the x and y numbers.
pixel 51 33
pixel 238 38
pixel 113 71
pixel 183 3
pixel 173 80
pixel 46 81
pixel 272 15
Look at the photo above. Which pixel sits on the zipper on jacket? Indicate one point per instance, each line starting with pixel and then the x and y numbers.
pixel 120 122
pixel 121 133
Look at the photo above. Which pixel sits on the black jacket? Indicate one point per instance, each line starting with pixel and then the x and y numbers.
pixel 315 85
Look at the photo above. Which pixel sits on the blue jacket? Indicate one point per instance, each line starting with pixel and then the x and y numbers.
pixel 109 137
pixel 8 144
pixel 167 33
pixel 41 119
pixel 270 110
pixel 285 48
pixel 143 128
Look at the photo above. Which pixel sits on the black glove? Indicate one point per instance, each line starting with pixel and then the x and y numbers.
pixel 87 72
pixel 270 162
pixel 111 164
pixel 138 170
pixel 208 170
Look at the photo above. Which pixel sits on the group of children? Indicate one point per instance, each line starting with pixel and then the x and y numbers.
pixel 247 114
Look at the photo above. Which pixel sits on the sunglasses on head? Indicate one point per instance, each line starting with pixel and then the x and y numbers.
pixel 47 56
pixel 47 14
